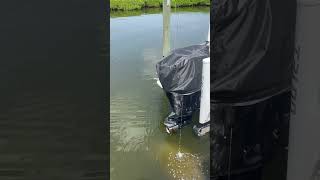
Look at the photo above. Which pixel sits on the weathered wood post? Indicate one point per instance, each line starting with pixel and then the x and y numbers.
pixel 166 8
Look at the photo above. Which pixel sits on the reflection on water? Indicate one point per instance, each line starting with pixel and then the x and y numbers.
pixel 140 148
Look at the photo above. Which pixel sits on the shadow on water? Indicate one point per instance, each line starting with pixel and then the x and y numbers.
pixel 140 147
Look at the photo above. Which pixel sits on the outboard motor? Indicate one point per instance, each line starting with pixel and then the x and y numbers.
pixel 180 75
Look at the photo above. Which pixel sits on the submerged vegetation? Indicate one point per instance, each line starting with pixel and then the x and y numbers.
pixel 140 4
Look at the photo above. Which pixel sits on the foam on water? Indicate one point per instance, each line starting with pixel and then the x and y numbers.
pixel 179 154
pixel 185 166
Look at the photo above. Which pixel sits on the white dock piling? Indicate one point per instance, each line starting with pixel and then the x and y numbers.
pixel 205 92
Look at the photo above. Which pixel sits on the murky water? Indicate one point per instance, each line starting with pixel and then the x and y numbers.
pixel 140 147
pixel 52 92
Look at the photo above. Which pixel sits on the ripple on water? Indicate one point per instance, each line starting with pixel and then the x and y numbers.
pixel 185 166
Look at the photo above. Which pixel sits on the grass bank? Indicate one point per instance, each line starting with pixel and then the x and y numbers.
pixel 139 12
pixel 140 4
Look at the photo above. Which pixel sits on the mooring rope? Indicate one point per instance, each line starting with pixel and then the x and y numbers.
pixel 180 128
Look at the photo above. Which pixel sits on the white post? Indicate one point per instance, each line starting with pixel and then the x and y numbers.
pixel 205 92
pixel 304 136
pixel 168 2
pixel 205 88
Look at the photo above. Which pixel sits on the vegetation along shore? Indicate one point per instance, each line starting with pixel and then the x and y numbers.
pixel 140 4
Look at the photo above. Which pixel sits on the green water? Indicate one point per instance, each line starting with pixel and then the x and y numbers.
pixel 140 147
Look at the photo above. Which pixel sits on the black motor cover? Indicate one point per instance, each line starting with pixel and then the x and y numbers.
pixel 180 74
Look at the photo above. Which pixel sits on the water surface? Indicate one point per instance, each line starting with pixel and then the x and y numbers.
pixel 140 147
pixel 53 90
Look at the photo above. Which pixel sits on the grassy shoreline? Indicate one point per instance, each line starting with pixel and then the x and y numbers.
pixel 140 4
pixel 139 12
